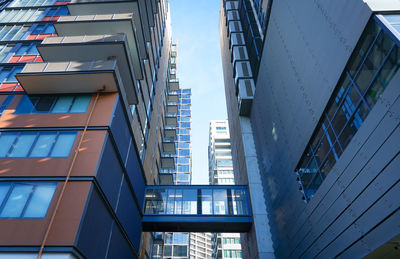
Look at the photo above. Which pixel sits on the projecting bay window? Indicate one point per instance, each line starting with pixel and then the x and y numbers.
pixel 30 144
pixel 25 200
pixel 372 65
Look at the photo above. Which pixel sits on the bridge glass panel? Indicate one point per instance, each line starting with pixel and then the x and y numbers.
pixel 197 200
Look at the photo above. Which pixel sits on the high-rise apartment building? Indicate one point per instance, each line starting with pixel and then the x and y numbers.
pixel 176 245
pixel 220 165
pixel 225 245
pixel 84 125
pixel 312 91
pixel 200 245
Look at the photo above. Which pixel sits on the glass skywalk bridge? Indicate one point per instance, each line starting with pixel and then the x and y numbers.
pixel 197 208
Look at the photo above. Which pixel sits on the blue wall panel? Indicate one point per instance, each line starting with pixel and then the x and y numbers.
pixel 119 247
pixel 135 175
pixel 129 216
pixel 109 173
pixel 95 228
pixel 120 130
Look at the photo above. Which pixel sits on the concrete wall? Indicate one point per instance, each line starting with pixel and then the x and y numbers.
pixel 307 47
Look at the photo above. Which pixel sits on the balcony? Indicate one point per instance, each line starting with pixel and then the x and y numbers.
pixel 246 90
pixel 170 134
pixel 172 109
pixel 197 209
pixel 95 47
pixel 71 77
pixel 234 27
pixel 110 24
pixel 172 99
pixel 96 7
pixel 168 148
pixel 171 121
pixel 173 85
pixel 239 53
pixel 242 70
pixel 165 178
pixel 167 162
pixel 231 5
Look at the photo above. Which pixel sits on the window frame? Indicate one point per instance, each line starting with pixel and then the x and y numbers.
pixel 28 201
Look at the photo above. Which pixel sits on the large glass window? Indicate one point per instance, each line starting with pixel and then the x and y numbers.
pixel 25 200
pixel 191 201
pixel 7 74
pixel 372 65
pixel 44 29
pixel 29 49
pixel 24 3
pixel 53 104
pixel 13 32
pixel 23 15
pixel 36 144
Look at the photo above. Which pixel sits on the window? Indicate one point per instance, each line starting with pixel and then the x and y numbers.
pixel 224 163
pixel 7 74
pixel 36 144
pixel 185 101
pixel 183 160
pixel 23 15
pixel 185 112
pixel 183 152
pixel 13 32
pixel 372 65
pixel 23 3
pixel 185 124
pixel 53 104
pixel 25 200
pixel 184 137
pixel 5 103
pixel 183 118
pixel 183 168
pixel 5 50
pixel 44 29
pixel 180 250
pixel 183 145
pixel 27 50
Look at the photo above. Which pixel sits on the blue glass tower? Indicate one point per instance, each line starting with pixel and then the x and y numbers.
pixel 176 245
pixel 183 171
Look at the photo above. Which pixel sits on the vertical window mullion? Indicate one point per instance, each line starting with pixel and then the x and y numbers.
pixel 368 52
pixel 7 32
pixel 6 197
pixel 376 75
pixel 28 200
pixel 72 104
pixel 54 143
pixel 13 144
pixel 53 104
pixel 33 144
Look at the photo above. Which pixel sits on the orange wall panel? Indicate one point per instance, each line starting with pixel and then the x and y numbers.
pixel 101 115
pixel 28 232
pixel 85 164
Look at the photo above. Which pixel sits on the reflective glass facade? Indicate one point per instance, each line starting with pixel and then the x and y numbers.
pixel 183 169
pixel 372 65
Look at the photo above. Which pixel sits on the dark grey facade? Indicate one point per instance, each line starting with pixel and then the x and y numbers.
pixel 320 141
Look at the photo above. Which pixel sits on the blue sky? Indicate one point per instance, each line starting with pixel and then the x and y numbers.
pixel 195 28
